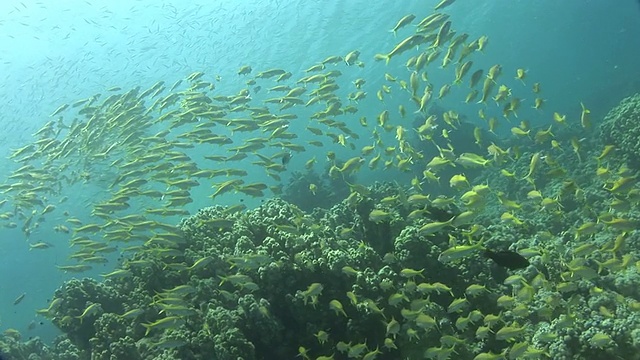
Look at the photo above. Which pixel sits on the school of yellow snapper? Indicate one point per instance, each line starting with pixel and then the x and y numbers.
pixel 150 141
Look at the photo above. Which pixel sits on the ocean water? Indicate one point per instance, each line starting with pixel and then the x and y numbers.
pixel 59 52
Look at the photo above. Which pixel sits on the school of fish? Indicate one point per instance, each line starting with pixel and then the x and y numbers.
pixel 141 149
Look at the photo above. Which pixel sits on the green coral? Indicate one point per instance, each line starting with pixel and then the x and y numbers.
pixel 113 338
pixel 327 192
pixel 33 349
pixel 621 127
pixel 77 296
pixel 66 350
pixel 255 290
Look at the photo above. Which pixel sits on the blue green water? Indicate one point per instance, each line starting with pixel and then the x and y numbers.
pixel 578 50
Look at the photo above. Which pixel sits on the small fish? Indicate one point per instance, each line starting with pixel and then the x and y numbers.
pixel 336 306
pixel 521 74
pixel 19 299
pixel 475 78
pixel 406 20
pixel 352 57
pixel 285 158
pixel 458 251
pixel 170 322
pixel 406 44
pixel 585 117
pixel 442 4
pixel 601 340
pixel 509 259
pixel 40 245
pixel 244 70
pixel 378 216
pixel 440 214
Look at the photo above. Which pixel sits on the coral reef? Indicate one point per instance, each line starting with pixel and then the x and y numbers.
pixel 620 128
pixel 309 190
pixel 278 282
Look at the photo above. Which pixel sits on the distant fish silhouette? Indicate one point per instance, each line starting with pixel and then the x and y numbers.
pixel 509 259
pixel 440 214
pixel 285 158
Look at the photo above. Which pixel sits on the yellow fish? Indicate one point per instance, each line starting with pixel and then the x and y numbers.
pixel 442 4
pixel 404 21
pixel 520 75
pixel 585 117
